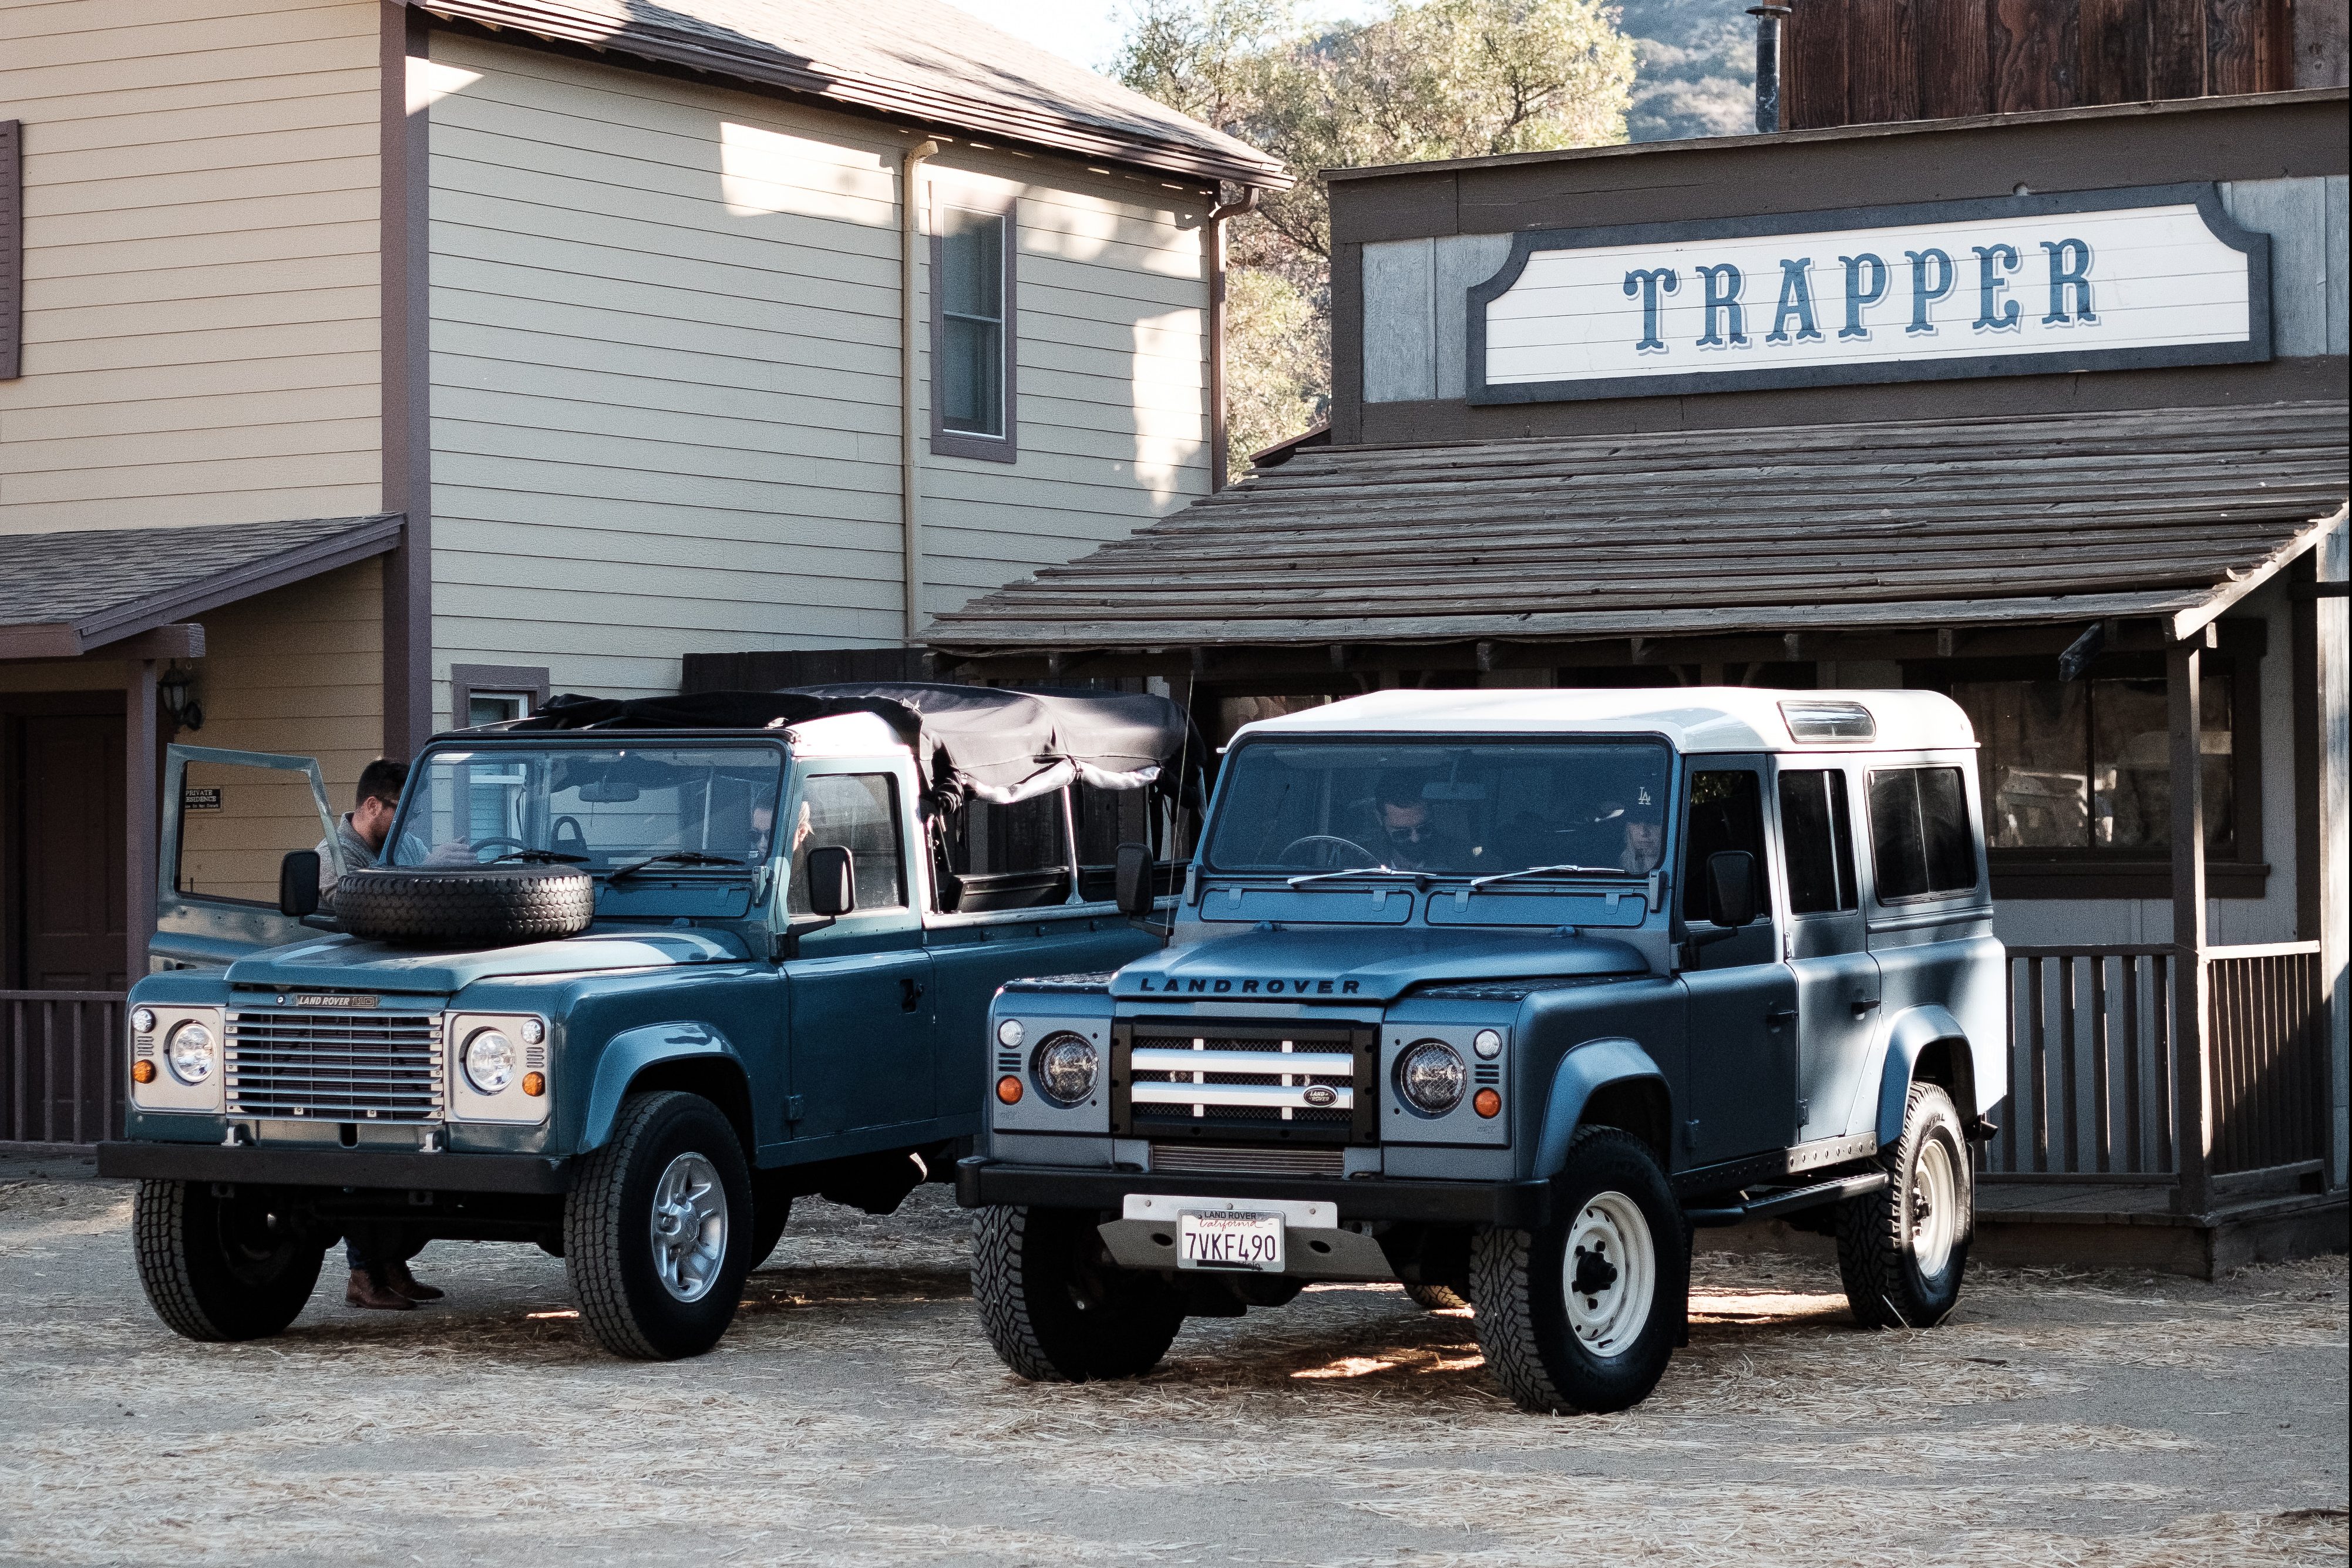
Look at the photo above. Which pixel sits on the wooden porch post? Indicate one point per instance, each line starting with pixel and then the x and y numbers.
pixel 2191 1077
pixel 139 813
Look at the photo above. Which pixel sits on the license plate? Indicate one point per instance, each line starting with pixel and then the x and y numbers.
pixel 1225 1238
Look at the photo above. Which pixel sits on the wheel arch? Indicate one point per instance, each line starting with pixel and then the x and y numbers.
pixel 688 1057
pixel 1927 1045
pixel 1610 1081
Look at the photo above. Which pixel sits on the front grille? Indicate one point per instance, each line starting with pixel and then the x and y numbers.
pixel 335 1067
pixel 1259 1160
pixel 1275 1082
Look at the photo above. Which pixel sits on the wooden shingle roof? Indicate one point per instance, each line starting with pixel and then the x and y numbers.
pixel 2170 513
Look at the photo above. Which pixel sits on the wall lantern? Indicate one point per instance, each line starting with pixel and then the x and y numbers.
pixel 176 688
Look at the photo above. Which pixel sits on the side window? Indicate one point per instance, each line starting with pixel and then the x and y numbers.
pixel 1920 842
pixel 859 812
pixel 1817 832
pixel 1726 812
pixel 1004 856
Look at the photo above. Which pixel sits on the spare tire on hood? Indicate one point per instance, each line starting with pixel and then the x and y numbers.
pixel 465 906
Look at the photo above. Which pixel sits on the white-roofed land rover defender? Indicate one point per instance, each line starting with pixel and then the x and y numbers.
pixel 1498 994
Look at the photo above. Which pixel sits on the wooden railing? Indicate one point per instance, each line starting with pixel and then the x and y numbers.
pixel 2090 1079
pixel 61 1066
pixel 2269 1064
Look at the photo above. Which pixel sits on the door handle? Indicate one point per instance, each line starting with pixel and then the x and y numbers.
pixel 1775 1016
pixel 910 994
pixel 1863 1005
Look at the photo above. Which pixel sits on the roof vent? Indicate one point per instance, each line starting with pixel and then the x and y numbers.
pixel 1816 721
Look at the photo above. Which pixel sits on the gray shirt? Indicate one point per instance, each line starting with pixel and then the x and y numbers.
pixel 356 853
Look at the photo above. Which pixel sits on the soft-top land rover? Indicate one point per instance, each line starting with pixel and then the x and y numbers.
pixel 1498 993
pixel 632 977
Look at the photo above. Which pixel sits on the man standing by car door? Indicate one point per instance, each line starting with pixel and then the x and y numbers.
pixel 377 1251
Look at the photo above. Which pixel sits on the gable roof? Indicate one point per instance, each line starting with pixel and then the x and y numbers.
pixel 2170 513
pixel 919 59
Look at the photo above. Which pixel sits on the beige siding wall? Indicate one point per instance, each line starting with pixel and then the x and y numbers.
pixel 665 375
pixel 200 262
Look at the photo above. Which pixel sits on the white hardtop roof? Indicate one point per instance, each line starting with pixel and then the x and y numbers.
pixel 1690 718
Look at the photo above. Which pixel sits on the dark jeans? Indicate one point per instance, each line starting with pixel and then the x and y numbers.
pixel 379 1244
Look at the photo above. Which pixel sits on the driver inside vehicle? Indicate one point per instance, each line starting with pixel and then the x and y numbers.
pixel 1411 838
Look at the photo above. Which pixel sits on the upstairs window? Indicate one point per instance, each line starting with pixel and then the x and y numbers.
pixel 972 333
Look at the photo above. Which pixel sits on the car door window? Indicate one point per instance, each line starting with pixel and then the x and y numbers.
pixel 1817 833
pixel 1726 812
pixel 1921 845
pixel 859 812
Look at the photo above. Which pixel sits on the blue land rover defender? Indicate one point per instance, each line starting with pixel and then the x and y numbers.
pixel 631 977
pixel 1498 995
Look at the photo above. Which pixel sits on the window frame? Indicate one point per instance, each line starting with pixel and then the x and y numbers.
pixel 894 793
pixel 468 681
pixel 1004 206
pixel 1978 889
pixel 1845 868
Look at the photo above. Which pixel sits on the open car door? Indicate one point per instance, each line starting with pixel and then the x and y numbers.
pixel 229 820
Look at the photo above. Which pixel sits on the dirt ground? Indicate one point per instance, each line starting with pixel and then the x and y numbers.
pixel 855 1416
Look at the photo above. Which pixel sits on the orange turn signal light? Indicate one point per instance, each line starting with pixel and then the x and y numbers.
pixel 1486 1104
pixel 534 1084
pixel 143 1072
pixel 1008 1089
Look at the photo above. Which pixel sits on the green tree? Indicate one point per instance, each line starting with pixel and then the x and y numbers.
pixel 1437 78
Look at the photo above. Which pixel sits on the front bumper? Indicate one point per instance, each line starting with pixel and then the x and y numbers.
pixel 1513 1206
pixel 391 1169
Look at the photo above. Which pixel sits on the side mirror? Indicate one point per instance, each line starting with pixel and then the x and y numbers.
pixel 298 884
pixel 832 881
pixel 1133 889
pixel 1731 893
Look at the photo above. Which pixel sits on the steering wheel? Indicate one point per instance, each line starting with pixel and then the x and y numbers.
pixel 575 844
pixel 478 844
pixel 1327 845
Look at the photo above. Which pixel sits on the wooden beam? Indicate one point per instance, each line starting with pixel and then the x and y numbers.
pixel 181 639
pixel 2192 1059
pixel 139 811
pixel 43 639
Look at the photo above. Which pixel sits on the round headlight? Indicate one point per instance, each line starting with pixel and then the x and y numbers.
pixel 490 1060
pixel 1487 1043
pixel 1431 1076
pixel 534 1031
pixel 143 1020
pixel 192 1051
pixel 1065 1067
pixel 1010 1034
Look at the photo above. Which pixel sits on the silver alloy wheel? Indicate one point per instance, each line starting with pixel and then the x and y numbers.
pixel 1935 1200
pixel 689 1227
pixel 1608 1274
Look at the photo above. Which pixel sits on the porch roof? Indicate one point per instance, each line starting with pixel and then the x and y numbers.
pixel 71 592
pixel 2170 514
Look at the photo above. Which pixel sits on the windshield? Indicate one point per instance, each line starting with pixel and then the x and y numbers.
pixel 600 808
pixel 1476 810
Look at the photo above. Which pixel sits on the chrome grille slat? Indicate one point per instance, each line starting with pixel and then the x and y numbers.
pixel 1245 1079
pixel 335 1067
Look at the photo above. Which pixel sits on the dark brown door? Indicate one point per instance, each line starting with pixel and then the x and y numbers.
pixel 70 825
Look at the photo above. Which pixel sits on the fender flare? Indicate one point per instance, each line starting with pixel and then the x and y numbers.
pixel 629 1052
pixel 1587 1067
pixel 1913 1031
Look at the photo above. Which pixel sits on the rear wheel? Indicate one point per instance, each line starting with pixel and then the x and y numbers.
pixel 221 1268
pixel 1584 1314
pixel 1903 1250
pixel 1436 1298
pixel 1055 1307
pixel 658 1229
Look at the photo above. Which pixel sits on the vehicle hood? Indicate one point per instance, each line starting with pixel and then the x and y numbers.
pixel 348 963
pixel 1364 964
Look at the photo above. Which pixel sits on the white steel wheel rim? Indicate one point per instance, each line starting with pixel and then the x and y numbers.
pixel 1608 1274
pixel 689 1227
pixel 1935 1200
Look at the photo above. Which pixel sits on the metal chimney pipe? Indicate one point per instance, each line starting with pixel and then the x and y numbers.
pixel 1768 66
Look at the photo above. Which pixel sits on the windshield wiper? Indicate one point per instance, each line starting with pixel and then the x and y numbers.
pixel 540 857
pixel 1532 871
pixel 671 857
pixel 1418 878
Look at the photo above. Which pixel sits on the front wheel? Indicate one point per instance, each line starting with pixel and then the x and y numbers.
pixel 1903 1250
pixel 658 1229
pixel 1055 1306
pixel 221 1268
pixel 1583 1314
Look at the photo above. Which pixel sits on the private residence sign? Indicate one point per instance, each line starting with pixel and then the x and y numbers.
pixel 2014 286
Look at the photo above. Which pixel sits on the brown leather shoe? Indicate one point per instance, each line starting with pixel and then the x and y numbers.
pixel 370 1290
pixel 397 1275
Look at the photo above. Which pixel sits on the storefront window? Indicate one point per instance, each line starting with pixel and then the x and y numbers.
pixel 2088 764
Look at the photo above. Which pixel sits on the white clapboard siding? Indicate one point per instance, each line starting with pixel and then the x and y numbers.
pixel 666 398
pixel 199 309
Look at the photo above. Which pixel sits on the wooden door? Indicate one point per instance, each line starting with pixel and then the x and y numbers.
pixel 70 825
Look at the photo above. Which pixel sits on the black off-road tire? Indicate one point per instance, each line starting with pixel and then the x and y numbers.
pixel 221 1268
pixel 1885 1282
pixel 1436 1298
pixel 1519 1280
pixel 1055 1307
pixel 465 906
pixel 608 1229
